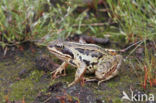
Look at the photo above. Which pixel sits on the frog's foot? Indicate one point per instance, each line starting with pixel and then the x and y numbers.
pixel 76 80
pixel 99 82
pixel 59 71
pixel 91 79
pixel 82 80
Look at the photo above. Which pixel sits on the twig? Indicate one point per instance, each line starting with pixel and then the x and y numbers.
pixel 88 39
pixel 124 50
pixel 135 48
pixel 17 43
pixel 47 100
pixel 94 24
pixel 5 51
pixel 10 44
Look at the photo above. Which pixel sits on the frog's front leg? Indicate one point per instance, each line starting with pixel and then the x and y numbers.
pixel 79 73
pixel 59 70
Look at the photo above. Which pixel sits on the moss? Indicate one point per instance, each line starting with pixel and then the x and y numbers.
pixel 25 87
pixel 70 75
pixel 98 92
pixel 112 85
pixel 117 100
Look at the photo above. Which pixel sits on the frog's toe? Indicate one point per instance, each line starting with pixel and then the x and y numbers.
pixel 90 79
pixel 54 76
pixel 58 71
pixel 99 82
pixel 69 85
pixel 57 75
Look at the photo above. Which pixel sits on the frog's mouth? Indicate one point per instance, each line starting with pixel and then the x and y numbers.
pixel 59 54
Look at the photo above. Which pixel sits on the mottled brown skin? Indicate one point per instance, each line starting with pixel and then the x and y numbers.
pixel 88 58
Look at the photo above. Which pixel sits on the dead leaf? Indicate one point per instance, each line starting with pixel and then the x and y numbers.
pixel 154 82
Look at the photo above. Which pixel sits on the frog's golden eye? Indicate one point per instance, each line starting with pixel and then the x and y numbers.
pixel 61 46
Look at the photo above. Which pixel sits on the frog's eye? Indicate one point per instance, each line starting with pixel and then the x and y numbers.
pixel 60 46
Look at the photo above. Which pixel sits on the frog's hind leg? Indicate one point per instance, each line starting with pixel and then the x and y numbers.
pixel 106 75
pixel 79 73
pixel 59 70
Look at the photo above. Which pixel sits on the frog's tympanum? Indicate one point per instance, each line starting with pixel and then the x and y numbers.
pixel 87 58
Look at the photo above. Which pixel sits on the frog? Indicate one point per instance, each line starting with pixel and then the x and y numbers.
pixel 103 63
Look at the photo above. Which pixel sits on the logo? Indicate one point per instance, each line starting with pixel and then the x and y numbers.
pixel 137 96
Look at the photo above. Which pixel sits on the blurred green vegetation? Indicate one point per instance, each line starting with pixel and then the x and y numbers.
pixel 136 17
pixel 27 20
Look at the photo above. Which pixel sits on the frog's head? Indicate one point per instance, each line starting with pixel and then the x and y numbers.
pixel 60 49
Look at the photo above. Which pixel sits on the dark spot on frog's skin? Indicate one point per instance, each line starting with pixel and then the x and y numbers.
pixel 80 50
pixel 67 51
pixel 80 57
pixel 72 62
pixel 92 52
pixel 87 52
pixel 83 51
pixel 98 55
pixel 94 63
pixel 87 62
